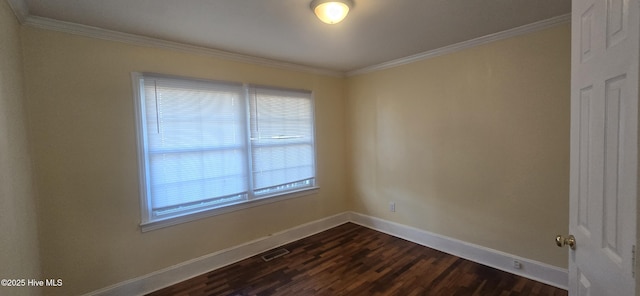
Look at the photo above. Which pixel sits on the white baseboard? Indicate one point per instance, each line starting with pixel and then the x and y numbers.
pixel 538 271
pixel 174 274
pixel 186 270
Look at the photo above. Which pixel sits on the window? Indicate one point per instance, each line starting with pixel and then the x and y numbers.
pixel 208 147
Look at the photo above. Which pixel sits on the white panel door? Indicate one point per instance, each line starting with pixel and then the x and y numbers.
pixel 604 130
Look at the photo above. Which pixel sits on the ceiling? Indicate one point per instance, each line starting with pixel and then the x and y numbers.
pixel 375 31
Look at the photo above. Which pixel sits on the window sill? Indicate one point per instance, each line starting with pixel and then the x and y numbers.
pixel 157 224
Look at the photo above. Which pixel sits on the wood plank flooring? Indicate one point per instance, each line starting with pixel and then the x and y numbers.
pixel 355 260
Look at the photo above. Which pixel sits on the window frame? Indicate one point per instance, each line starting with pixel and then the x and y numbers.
pixel 148 222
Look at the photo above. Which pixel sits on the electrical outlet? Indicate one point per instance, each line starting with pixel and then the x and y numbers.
pixel 517 264
pixel 392 206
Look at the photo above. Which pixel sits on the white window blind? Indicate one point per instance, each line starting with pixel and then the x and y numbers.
pixel 207 145
pixel 281 140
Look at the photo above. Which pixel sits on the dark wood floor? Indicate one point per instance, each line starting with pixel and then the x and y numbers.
pixel 354 260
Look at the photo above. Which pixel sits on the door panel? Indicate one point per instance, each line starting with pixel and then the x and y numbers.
pixel 604 113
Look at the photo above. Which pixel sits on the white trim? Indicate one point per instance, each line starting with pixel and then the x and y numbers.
pixel 529 28
pixel 538 271
pixel 141 136
pixel 531 269
pixel 20 9
pixel 157 224
pixel 99 33
pixel 183 271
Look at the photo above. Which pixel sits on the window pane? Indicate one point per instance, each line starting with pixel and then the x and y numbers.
pixel 196 142
pixel 282 140
pixel 190 115
pixel 282 164
pixel 178 178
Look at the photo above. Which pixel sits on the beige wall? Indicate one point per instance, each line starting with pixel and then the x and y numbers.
pixel 82 131
pixel 18 233
pixel 472 145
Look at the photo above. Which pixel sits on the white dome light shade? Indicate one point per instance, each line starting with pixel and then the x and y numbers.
pixel 331 11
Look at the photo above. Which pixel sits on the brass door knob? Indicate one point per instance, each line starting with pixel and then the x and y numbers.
pixel 566 241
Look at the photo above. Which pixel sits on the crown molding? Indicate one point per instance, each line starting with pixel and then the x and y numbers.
pixel 529 28
pixel 99 33
pixel 20 9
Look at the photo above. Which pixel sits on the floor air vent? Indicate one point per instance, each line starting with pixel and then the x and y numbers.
pixel 274 254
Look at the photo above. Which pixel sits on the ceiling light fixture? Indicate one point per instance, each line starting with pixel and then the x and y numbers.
pixel 331 11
